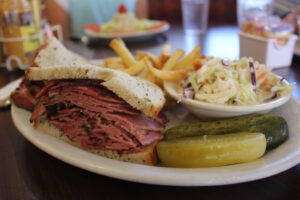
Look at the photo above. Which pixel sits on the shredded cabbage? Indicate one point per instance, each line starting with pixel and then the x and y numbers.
pixel 127 22
pixel 231 84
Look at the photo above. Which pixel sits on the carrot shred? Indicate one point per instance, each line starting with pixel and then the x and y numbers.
pixel 197 64
pixel 157 27
pixel 261 76
pixel 93 27
pixel 265 81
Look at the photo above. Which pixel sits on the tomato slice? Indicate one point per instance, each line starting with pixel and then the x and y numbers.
pixel 157 27
pixel 93 27
pixel 122 8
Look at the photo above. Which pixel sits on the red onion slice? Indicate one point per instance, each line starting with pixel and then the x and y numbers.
pixel 188 85
pixel 252 74
pixel 282 79
pixel 180 99
pixel 200 86
pixel 225 62
pixel 274 95
pixel 186 77
pixel 185 85
pixel 188 93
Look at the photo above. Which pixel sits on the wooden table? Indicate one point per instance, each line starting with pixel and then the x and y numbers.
pixel 28 173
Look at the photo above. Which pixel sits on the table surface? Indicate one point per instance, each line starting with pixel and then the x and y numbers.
pixel 28 173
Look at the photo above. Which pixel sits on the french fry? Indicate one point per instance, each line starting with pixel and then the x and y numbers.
pixel 150 77
pixel 187 61
pixel 155 61
pixel 166 75
pixel 171 62
pixel 158 82
pixel 120 48
pixel 143 73
pixel 153 58
pixel 154 68
pixel 201 56
pixel 209 58
pixel 166 49
pixel 116 66
pixel 136 69
pixel 142 54
pixel 115 59
pixel 112 61
pixel 197 63
pixel 162 59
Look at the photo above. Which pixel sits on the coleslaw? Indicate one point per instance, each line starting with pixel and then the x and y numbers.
pixel 233 82
pixel 127 22
pixel 124 22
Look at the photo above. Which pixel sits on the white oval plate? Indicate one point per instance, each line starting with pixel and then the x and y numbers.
pixel 203 109
pixel 282 158
pixel 138 36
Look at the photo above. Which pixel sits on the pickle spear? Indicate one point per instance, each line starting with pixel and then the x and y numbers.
pixel 211 150
pixel 274 128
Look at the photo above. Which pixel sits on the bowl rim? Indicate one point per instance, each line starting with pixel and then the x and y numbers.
pixel 225 108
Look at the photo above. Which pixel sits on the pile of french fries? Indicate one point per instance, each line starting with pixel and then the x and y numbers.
pixel 167 66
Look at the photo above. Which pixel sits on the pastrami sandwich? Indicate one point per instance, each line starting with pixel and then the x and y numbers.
pixel 53 53
pixel 100 110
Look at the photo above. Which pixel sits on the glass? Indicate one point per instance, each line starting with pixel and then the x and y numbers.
pixel 249 9
pixel 195 16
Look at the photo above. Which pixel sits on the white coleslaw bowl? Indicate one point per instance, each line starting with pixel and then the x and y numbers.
pixel 210 110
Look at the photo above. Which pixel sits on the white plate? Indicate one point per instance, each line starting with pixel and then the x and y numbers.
pixel 203 109
pixel 282 158
pixel 138 36
pixel 297 48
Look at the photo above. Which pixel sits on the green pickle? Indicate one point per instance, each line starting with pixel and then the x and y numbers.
pixel 211 150
pixel 274 128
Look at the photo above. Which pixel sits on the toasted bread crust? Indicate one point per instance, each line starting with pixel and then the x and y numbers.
pixel 55 62
pixel 137 92
pixel 54 53
pixel 146 157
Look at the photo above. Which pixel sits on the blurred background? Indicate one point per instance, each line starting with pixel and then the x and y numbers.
pixel 26 24
pixel 220 11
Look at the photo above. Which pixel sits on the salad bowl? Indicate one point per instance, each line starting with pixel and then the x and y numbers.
pixel 210 110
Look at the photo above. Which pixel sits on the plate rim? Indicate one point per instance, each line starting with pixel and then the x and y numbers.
pixel 144 174
pixel 92 34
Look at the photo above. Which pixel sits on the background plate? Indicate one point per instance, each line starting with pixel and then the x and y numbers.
pixel 139 36
pixel 282 158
